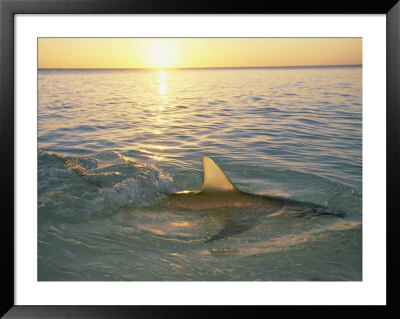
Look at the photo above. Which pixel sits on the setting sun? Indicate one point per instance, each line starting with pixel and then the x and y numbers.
pixel 161 55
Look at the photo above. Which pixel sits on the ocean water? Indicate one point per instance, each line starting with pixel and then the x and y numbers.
pixel 112 144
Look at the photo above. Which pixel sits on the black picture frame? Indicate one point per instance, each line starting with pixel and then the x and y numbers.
pixel 8 8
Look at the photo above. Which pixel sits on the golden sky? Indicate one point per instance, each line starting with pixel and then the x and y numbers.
pixel 60 53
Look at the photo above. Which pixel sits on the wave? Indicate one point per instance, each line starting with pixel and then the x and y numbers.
pixel 80 187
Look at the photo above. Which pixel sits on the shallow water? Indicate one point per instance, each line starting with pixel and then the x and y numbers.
pixel 113 143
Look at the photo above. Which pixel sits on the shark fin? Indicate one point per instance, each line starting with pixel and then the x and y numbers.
pixel 214 177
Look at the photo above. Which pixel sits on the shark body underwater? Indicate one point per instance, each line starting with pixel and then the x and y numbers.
pixel 218 191
pixel 242 210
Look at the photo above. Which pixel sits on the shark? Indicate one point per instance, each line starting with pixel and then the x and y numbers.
pixel 218 191
pixel 240 210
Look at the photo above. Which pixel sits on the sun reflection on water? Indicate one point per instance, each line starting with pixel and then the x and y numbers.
pixel 160 118
pixel 162 89
pixel 162 81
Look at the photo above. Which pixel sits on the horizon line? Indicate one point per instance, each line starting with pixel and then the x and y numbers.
pixel 217 67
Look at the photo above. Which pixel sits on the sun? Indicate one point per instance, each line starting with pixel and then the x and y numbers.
pixel 161 55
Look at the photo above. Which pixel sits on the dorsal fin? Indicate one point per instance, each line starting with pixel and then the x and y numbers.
pixel 214 177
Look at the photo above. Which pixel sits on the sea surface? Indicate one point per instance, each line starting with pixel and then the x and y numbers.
pixel 112 144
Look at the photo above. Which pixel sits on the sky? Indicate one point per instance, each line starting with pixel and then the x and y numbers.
pixel 162 53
